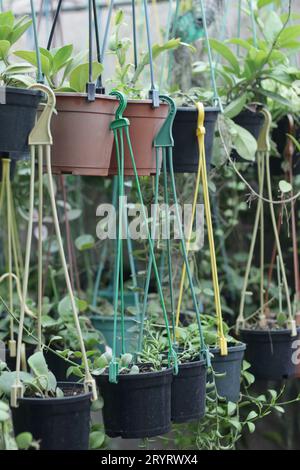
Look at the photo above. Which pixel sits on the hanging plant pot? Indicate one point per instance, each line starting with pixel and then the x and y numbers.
pixel 270 353
pixel 11 361
pixel 145 122
pixel 138 406
pixel 105 325
pixel 129 296
pixel 279 136
pixel 189 392
pixel 252 120
pixel 229 385
pixel 17 119
pixel 186 150
pixel 58 423
pixel 82 139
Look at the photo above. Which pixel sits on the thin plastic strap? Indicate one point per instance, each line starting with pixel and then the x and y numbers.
pixel 40 77
pixel 134 35
pixel 99 87
pixel 253 22
pixel 55 19
pixel 154 93
pixel 210 59
pixel 106 31
pixel 40 247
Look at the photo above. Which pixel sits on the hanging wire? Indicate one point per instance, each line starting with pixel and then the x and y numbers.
pixel 55 19
pixel 135 51
pixel 153 94
pixel 99 87
pixel 40 77
pixel 168 29
pixel 109 15
pixel 253 21
pixel 217 99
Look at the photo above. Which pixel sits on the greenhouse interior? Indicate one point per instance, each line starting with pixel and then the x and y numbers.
pixel 149 228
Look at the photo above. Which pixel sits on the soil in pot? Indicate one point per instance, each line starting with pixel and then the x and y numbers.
pixel 57 423
pixel 189 392
pixel 270 352
pixel 186 151
pixel 17 119
pixel 82 139
pixel 229 385
pixel 105 324
pixel 145 122
pixel 252 121
pixel 138 406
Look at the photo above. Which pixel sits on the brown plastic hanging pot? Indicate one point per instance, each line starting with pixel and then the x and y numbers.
pixel 145 122
pixel 82 139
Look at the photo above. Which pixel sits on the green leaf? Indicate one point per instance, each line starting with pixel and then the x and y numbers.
pixel 24 440
pixel 65 306
pixel 285 187
pixel 251 427
pixel 7 379
pixel 38 364
pixel 79 77
pixel 272 26
pixel 61 57
pixel 19 31
pixel 30 56
pixel 227 54
pixel 5 32
pixel 85 242
pixel 236 106
pixel 244 142
pixel 231 407
pixel 252 415
pixel 4 48
pixel 96 439
pixel 4 416
pixel 7 19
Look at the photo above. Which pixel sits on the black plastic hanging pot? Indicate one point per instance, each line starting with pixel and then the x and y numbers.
pixel 253 122
pixel 229 385
pixel 186 149
pixel 17 119
pixel 59 366
pixel 279 136
pixel 270 353
pixel 57 423
pixel 189 392
pixel 138 406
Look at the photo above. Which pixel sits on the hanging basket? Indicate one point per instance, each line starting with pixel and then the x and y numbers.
pixel 229 385
pixel 17 118
pixel 57 423
pixel 189 392
pixel 253 122
pixel 82 139
pixel 270 353
pixel 138 406
pixel 186 150
pixel 145 122
pixel 105 325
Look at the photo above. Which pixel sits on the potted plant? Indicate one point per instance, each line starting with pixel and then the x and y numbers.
pixel 56 414
pixel 139 404
pixel 82 141
pixel 262 75
pixel 18 104
pixel 226 369
pixel 145 119
pixel 61 339
pixel 186 147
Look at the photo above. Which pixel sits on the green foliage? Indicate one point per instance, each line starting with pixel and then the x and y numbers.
pixel 63 71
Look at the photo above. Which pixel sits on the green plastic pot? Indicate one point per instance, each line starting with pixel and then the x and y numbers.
pixel 108 294
pixel 106 326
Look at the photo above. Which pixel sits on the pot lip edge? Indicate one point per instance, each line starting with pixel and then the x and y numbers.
pixel 108 97
pixel 231 349
pixel 168 371
pixel 58 400
pixel 22 91
pixel 282 331
pixel 208 109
